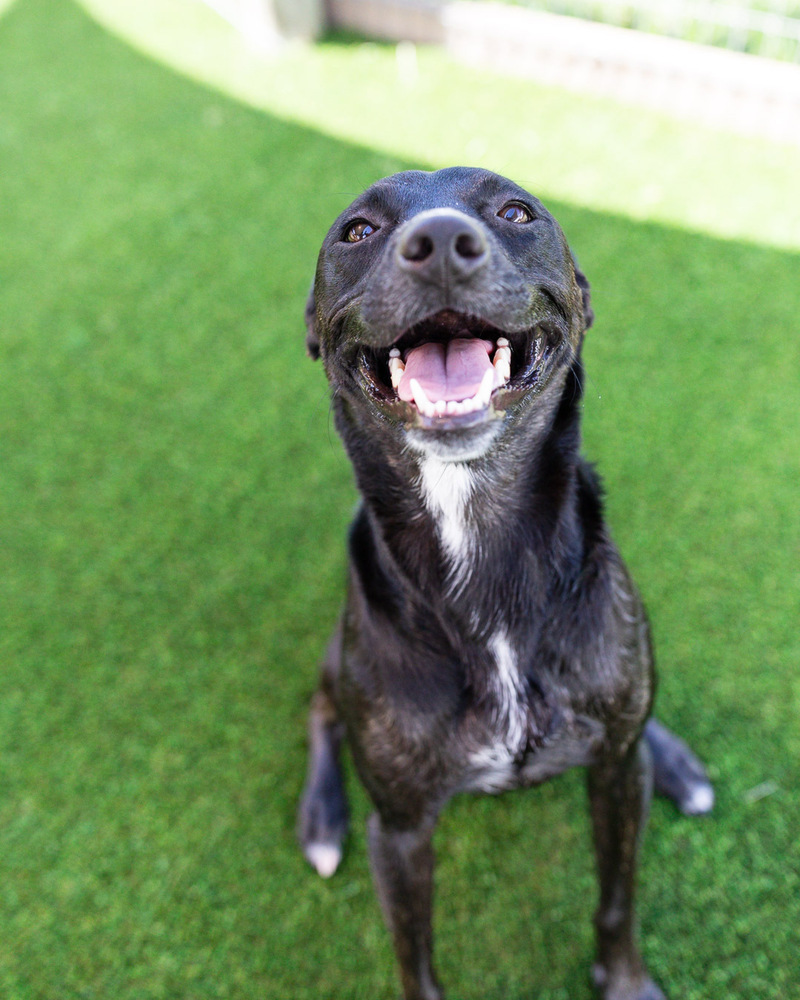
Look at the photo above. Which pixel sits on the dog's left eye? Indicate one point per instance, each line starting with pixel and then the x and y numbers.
pixel 515 212
pixel 359 230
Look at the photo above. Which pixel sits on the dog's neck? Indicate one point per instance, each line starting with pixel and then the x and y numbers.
pixel 462 532
pixel 448 491
pixel 490 514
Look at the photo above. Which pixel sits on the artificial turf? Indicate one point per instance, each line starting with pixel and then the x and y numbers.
pixel 172 508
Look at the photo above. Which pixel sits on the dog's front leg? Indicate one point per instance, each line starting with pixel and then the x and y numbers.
pixel 322 816
pixel 619 793
pixel 402 864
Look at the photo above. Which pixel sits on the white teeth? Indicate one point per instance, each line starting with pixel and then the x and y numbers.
pixel 484 394
pixel 396 367
pixel 502 361
pixel 424 405
pixel 464 406
pixel 496 376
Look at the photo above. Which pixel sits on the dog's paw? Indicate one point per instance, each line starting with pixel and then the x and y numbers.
pixel 324 857
pixel 622 987
pixel 698 801
pixel 321 828
pixel 677 772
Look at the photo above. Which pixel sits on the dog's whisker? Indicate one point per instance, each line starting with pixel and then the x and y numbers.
pixel 577 371
pixel 331 415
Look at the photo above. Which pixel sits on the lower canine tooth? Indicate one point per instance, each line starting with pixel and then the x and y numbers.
pixel 484 394
pixel 424 405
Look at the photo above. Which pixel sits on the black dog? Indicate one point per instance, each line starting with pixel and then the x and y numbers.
pixel 492 637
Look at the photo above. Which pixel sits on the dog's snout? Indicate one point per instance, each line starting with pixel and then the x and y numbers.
pixel 442 247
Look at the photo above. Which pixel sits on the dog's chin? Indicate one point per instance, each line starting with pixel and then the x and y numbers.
pixel 462 445
pixel 454 410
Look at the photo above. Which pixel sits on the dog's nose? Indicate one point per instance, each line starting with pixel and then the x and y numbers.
pixel 442 247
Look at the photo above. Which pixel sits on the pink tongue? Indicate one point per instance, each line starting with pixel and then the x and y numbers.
pixel 446 371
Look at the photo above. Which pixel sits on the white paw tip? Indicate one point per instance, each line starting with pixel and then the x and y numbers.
pixel 700 801
pixel 324 857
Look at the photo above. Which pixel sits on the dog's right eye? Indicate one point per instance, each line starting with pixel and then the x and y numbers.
pixel 359 230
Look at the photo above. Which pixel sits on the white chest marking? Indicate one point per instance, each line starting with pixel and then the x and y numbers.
pixel 494 762
pixel 446 487
pixel 509 689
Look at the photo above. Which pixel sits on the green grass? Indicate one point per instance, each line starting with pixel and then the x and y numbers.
pixel 172 509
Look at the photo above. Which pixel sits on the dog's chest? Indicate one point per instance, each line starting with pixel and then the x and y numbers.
pixel 502 720
pixel 446 489
pixel 514 734
pixel 518 734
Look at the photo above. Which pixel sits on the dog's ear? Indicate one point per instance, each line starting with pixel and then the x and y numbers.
pixel 586 295
pixel 312 340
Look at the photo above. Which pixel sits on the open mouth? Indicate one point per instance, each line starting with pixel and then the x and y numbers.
pixel 453 370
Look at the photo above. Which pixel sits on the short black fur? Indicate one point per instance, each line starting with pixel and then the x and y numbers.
pixel 491 636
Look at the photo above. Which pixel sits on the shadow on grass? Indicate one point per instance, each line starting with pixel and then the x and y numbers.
pixel 172 510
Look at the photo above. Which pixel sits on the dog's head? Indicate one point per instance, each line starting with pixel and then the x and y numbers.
pixel 444 305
